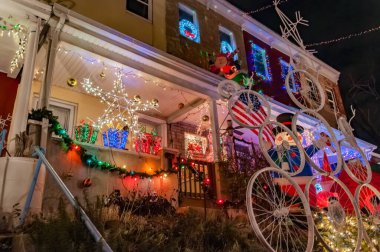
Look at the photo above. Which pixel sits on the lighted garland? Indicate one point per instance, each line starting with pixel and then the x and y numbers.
pixel 92 161
pixel 184 27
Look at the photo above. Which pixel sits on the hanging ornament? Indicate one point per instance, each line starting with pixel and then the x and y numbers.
pixel 181 105
pixel 137 98
pixel 72 82
pixel 87 182
pixel 155 102
pixel 205 118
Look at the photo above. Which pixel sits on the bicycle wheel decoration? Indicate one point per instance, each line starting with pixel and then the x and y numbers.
pixel 324 141
pixel 336 215
pixel 249 109
pixel 368 200
pixel 308 94
pixel 279 212
pixel 281 148
pixel 227 88
pixel 357 165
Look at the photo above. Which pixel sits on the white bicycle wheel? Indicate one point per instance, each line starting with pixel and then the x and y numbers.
pixel 336 216
pixel 368 200
pixel 281 148
pixel 358 167
pixel 249 109
pixel 279 212
pixel 308 94
pixel 226 88
pixel 313 149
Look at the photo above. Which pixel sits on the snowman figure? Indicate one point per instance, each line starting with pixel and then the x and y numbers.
pixel 286 153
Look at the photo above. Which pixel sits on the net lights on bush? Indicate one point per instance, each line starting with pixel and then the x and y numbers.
pixel 189 30
pixel 120 108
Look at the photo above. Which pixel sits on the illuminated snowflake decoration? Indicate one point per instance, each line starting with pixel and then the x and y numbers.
pixel 225 47
pixel 121 110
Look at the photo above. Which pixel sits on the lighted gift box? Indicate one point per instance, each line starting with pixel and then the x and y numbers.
pixel 115 138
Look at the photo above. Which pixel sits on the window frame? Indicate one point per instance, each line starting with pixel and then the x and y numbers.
pixel 229 33
pixel 332 103
pixel 72 107
pixel 267 76
pixel 150 10
pixel 194 14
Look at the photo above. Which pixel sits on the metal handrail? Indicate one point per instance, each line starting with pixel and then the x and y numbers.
pixel 83 216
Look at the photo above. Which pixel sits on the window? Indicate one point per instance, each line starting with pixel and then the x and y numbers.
pixel 63 109
pixel 330 98
pixel 285 68
pixel 261 62
pixel 313 90
pixel 143 8
pixel 188 23
pixel 227 41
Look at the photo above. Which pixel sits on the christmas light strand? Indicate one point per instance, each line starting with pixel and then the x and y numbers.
pixel 264 8
pixel 346 37
pixel 18 32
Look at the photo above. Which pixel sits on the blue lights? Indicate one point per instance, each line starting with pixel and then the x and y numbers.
pixel 226 47
pixel 261 62
pixel 189 30
pixel 115 138
pixel 318 187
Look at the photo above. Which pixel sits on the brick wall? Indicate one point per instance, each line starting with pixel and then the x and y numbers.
pixel 176 135
pixel 209 21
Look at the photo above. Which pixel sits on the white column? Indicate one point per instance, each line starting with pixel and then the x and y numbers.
pixel 21 106
pixel 215 144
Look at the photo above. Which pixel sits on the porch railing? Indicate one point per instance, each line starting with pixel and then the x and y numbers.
pixel 190 181
pixel 83 216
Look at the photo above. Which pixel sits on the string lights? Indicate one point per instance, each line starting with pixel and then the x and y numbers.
pixel 264 8
pixel 346 37
pixel 19 32
pixel 121 110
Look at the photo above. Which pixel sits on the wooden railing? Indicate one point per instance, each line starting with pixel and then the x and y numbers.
pixel 191 180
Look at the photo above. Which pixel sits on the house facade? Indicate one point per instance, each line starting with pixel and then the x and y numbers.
pixel 160 54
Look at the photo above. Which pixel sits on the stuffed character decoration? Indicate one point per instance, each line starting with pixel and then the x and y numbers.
pixel 336 212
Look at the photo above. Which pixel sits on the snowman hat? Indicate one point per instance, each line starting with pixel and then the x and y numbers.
pixel 286 119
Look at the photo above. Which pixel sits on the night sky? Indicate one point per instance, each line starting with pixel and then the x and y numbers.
pixel 357 59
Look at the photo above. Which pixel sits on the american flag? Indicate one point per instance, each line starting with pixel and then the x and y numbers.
pixel 255 116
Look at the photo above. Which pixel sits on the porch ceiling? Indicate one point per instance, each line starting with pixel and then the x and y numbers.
pixel 74 62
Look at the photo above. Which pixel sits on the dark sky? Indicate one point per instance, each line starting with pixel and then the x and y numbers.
pixel 356 58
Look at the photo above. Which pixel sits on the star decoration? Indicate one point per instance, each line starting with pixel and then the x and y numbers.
pixel 121 110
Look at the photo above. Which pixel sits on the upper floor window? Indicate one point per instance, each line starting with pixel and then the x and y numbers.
pixel 313 90
pixel 261 62
pixel 143 8
pixel 330 98
pixel 188 23
pixel 285 68
pixel 227 41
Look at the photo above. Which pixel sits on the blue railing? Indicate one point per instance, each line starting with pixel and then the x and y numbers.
pixel 83 216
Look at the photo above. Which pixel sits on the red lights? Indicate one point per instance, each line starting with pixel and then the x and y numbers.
pixel 220 202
